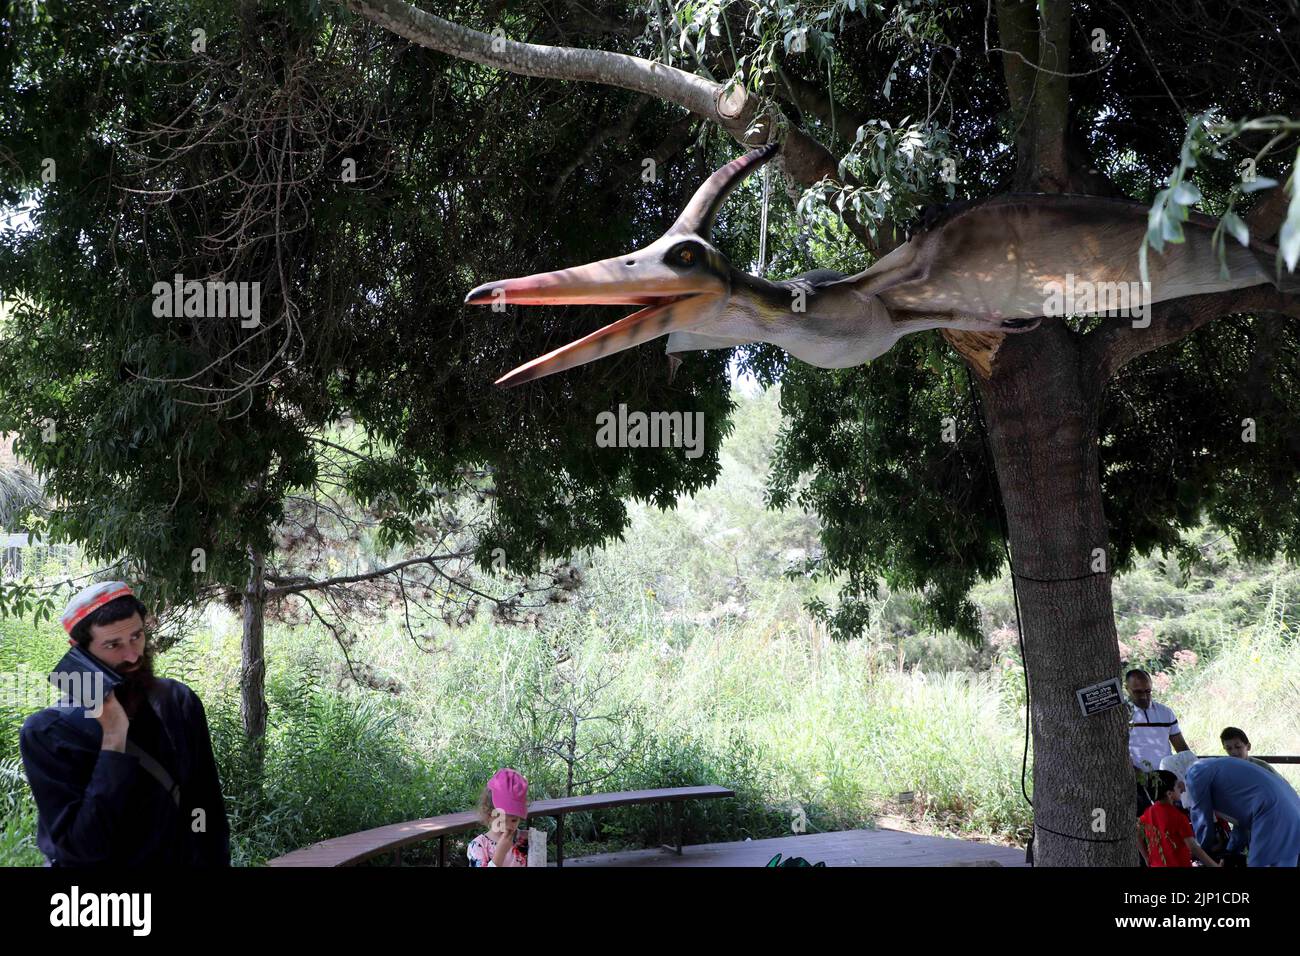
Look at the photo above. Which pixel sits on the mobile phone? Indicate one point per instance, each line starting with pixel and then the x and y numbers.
pixel 83 681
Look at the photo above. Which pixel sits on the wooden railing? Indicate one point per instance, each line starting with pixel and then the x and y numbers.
pixel 356 848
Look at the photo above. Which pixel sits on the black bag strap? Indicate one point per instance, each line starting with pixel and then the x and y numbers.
pixel 155 770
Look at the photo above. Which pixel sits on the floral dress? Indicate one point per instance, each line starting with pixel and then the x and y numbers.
pixel 482 847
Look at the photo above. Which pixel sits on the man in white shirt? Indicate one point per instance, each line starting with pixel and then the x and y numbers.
pixel 1152 728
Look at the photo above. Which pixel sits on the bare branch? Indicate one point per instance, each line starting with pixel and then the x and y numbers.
pixel 733 111
pixel 432 560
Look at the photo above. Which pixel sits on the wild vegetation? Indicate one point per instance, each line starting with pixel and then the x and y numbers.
pixel 688 657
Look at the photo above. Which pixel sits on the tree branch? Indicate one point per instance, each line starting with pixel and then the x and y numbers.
pixel 702 97
pixel 1116 343
pixel 805 160
pixel 299 586
pixel 1268 214
pixel 1035 63
pixel 1018 38
pixel 810 99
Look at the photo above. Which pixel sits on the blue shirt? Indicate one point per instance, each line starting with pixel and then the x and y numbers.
pixel 1265 807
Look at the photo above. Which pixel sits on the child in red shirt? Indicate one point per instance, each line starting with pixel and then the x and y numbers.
pixel 1165 835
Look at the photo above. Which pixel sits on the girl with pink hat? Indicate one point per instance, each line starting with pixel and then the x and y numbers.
pixel 502 806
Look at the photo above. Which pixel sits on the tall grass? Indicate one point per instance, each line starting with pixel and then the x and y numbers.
pixel 688 651
pixel 791 720
pixel 1249 679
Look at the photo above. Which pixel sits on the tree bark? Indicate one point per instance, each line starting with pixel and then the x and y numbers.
pixel 1018 36
pixel 1041 408
pixel 252 671
pixel 1035 43
pixel 1051 106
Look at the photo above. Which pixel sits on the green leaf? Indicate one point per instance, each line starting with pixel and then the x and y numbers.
pixel 1237 226
pixel 1288 239
pixel 1258 183
pixel 1156 221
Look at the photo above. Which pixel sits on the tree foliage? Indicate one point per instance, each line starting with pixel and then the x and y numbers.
pixel 467 175
pixel 161 435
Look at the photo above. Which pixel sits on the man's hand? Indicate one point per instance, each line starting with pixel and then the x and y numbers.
pixel 113 720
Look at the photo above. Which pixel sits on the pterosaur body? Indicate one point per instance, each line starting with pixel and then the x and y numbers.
pixel 998 265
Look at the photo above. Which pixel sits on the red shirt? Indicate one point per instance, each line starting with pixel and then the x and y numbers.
pixel 1166 829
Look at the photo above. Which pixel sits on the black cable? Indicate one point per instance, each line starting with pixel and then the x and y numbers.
pixel 1069 836
pixel 1016 574
pixel 1015 593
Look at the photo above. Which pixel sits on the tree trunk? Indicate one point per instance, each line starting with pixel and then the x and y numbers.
pixel 572 744
pixel 1041 408
pixel 252 672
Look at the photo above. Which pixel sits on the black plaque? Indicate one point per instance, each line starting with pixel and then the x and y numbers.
pixel 1099 697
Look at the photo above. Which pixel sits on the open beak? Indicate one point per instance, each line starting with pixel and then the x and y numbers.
pixel 672 301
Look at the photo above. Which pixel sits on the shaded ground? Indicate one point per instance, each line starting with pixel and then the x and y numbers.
pixel 882 847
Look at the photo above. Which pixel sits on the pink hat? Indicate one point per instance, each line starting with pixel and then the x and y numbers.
pixel 509 792
pixel 91 598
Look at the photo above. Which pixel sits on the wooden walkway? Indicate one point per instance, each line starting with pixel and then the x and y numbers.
pixel 880 847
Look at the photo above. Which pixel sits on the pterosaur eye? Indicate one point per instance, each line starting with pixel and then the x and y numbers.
pixel 683 255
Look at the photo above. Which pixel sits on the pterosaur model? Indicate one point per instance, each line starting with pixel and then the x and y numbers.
pixel 997 265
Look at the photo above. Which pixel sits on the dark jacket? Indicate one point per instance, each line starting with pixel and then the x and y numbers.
pixel 101 807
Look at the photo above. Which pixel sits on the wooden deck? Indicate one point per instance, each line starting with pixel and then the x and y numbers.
pixel 882 847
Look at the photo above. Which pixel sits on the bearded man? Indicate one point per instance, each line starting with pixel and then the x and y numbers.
pixel 129 778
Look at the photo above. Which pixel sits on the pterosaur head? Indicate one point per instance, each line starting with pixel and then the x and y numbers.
pixel 680 279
